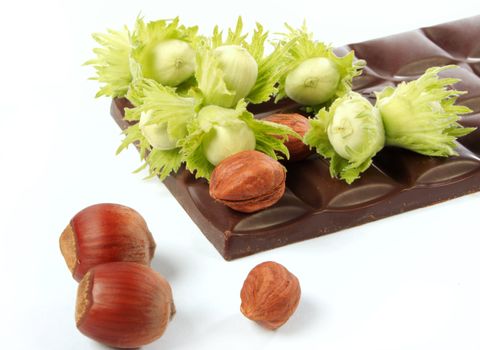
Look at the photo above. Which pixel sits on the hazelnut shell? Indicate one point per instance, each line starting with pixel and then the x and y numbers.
pixel 123 305
pixel 104 233
pixel 248 181
pixel 298 123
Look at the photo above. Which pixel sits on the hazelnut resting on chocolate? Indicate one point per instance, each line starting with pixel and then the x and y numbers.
pixel 298 123
pixel 248 181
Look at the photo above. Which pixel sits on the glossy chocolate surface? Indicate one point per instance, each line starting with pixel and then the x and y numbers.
pixel 315 204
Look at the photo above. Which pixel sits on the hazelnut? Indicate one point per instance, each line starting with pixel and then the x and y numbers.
pixel 123 304
pixel 270 295
pixel 298 123
pixel 105 233
pixel 248 181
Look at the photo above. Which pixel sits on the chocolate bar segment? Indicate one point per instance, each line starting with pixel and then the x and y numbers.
pixel 399 180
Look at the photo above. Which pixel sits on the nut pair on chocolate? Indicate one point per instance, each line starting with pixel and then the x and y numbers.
pixel 123 303
pixel 250 181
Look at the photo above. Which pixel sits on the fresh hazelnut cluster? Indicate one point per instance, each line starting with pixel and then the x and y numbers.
pixel 123 303
pixel 250 181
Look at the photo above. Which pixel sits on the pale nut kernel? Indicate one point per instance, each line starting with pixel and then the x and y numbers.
pixel 270 295
pixel 248 181
pixel 298 123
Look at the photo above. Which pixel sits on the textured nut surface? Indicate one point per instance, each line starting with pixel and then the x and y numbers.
pixel 248 181
pixel 298 123
pixel 270 295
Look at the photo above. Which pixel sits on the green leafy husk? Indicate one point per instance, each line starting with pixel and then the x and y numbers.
pixel 125 56
pixel 302 47
pixel 166 106
pixel 147 36
pixel 370 128
pixel 269 138
pixel 213 89
pixel 270 67
pixel 112 62
pixel 421 115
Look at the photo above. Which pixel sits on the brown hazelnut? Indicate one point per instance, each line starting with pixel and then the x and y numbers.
pixel 104 233
pixel 123 304
pixel 270 295
pixel 298 123
pixel 248 181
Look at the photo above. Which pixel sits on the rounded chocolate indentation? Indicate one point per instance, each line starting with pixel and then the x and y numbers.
pixel 287 209
pixel 464 31
pixel 449 170
pixel 306 179
pixel 218 215
pixel 414 169
pixel 311 182
pixel 406 54
pixel 357 195
pixel 415 68
pixel 470 141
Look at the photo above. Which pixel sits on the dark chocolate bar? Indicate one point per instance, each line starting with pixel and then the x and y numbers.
pixel 314 204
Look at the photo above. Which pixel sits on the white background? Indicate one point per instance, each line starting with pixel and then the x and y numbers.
pixel 407 282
